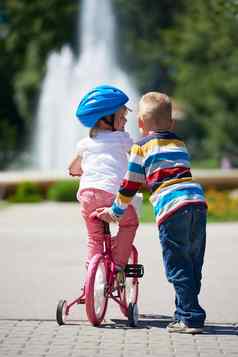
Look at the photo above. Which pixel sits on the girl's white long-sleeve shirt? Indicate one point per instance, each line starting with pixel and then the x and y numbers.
pixel 104 160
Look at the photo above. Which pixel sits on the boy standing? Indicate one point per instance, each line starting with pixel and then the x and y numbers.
pixel 160 161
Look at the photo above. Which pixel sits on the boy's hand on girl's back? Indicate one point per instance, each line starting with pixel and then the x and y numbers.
pixel 104 214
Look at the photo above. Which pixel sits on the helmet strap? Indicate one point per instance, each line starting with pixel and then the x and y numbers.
pixel 110 121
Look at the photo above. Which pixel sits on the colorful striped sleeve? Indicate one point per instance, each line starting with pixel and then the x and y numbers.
pixel 132 182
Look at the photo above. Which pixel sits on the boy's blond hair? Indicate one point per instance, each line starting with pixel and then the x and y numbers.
pixel 156 108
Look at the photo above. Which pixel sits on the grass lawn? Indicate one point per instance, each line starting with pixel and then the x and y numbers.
pixel 147 214
pixel 3 204
pixel 206 164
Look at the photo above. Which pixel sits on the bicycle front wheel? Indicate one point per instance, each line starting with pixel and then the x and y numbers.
pixel 96 296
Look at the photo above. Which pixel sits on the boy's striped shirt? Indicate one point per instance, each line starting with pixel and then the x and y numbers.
pixel 161 162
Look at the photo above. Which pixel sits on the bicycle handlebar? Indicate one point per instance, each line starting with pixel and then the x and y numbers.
pixel 106 225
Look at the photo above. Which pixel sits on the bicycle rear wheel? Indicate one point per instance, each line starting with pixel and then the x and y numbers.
pixel 96 297
pixel 61 312
pixel 130 291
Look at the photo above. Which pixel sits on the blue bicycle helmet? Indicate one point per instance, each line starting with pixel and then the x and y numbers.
pixel 99 102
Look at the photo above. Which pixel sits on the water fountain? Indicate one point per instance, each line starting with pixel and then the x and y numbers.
pixel 67 79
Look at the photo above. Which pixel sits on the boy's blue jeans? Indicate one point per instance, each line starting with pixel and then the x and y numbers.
pixel 183 240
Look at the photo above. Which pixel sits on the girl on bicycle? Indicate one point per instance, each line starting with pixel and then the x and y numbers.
pixel 101 161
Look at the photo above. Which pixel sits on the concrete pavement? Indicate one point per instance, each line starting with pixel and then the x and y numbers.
pixel 42 260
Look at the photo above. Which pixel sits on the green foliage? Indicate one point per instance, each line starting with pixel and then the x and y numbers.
pixel 147 214
pixel 63 191
pixel 204 53
pixel 188 49
pixel 222 207
pixel 7 142
pixel 30 30
pixel 27 192
pixel 3 204
pixel 35 29
pixel 11 124
pixel 205 164
pixel 141 50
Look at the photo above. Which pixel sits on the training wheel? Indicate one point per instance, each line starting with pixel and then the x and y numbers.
pixel 61 312
pixel 133 315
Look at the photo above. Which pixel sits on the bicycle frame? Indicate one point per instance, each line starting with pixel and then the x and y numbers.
pixel 114 288
pixel 110 268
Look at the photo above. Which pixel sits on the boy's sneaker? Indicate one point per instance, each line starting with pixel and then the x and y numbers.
pixel 180 327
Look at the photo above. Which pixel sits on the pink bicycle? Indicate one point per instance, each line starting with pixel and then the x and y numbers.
pixel 104 282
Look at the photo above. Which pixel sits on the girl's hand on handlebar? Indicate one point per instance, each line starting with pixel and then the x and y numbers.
pixel 75 168
pixel 104 213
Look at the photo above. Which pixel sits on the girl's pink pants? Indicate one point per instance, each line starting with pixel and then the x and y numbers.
pixel 91 199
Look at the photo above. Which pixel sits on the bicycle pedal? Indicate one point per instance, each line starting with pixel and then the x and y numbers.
pixel 134 270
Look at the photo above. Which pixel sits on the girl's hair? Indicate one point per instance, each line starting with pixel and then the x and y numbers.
pixel 93 131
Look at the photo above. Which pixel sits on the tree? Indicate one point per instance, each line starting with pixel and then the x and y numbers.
pixel 31 30
pixel 142 26
pixel 11 124
pixel 186 48
pixel 203 50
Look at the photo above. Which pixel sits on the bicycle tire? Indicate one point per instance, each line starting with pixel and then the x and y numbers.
pixel 129 293
pixel 96 297
pixel 61 312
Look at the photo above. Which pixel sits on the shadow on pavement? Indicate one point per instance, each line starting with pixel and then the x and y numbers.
pixel 148 321
pixel 221 329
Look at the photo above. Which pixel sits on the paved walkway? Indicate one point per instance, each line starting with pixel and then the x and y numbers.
pixel 42 260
